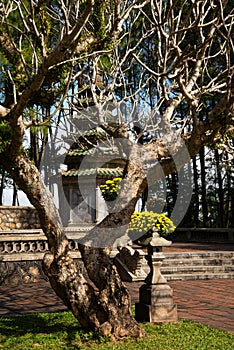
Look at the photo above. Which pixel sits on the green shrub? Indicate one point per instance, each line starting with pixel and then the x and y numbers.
pixel 5 135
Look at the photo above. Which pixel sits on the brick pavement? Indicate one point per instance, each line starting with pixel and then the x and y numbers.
pixel 210 302
pixel 29 298
pixel 207 301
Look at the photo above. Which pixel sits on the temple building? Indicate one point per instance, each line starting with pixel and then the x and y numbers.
pixel 90 162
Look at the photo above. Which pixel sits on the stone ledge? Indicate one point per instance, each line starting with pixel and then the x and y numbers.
pixel 14 257
pixel 208 235
pixel 22 231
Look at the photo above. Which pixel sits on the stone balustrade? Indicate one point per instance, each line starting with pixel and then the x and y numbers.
pixel 22 251
pixel 23 241
pixel 28 245
pixel 21 254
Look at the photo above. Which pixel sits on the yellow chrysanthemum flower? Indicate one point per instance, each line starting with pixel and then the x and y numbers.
pixel 145 221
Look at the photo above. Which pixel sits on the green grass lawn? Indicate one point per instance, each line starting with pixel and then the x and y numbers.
pixel 61 331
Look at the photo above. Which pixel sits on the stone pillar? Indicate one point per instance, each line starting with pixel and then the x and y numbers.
pixel 156 296
pixel 70 221
pixel 101 208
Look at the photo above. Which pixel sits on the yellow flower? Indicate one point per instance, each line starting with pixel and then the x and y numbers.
pixel 145 221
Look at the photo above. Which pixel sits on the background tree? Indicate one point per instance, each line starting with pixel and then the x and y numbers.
pixel 47 49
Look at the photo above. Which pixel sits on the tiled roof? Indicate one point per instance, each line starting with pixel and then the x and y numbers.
pixel 80 152
pixel 88 147
pixel 96 131
pixel 109 172
pixel 98 151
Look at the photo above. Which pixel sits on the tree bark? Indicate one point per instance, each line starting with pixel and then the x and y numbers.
pixel 220 220
pixel 203 187
pixel 100 302
pixel 15 200
pixel 2 182
pixel 229 206
pixel 196 194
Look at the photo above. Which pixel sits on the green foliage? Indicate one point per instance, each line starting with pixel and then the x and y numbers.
pixel 223 140
pixel 111 189
pixel 101 12
pixel 44 20
pixel 6 134
pixel 144 222
pixel 99 19
pixel 28 45
pixel 61 331
pixel 105 63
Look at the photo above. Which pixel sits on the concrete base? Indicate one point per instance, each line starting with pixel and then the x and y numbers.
pixel 156 304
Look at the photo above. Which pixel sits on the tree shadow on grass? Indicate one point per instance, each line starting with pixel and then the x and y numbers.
pixel 63 323
pixel 34 323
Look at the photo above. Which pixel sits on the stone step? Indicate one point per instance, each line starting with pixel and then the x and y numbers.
pixel 199 261
pixel 196 255
pixel 197 269
pixel 198 265
pixel 182 265
pixel 198 276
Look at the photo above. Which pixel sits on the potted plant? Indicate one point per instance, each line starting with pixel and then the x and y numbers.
pixel 144 224
pixel 110 190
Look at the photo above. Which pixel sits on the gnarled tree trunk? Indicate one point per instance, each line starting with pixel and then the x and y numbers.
pixel 100 302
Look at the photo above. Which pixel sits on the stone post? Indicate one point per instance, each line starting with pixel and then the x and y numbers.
pixel 156 296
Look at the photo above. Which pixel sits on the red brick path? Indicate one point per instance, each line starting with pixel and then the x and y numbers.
pixel 210 302
pixel 206 301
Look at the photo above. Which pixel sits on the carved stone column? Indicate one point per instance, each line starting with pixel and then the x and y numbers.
pixel 156 296
pixel 70 221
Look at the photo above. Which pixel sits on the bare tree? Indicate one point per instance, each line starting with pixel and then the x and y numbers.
pixel 48 48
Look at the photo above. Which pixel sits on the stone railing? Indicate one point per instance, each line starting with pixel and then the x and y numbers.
pixel 18 245
pixel 22 251
pixel 21 254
